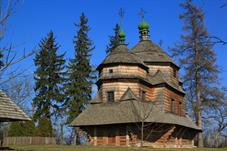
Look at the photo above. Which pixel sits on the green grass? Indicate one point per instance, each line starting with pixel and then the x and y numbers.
pixel 99 148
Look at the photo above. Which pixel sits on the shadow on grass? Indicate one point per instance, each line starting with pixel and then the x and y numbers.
pixel 8 149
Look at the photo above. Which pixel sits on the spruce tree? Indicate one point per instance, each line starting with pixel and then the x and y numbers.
pixel 114 40
pixel 49 77
pixel 196 55
pixel 81 74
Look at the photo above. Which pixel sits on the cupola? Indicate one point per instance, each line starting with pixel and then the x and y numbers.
pixel 144 30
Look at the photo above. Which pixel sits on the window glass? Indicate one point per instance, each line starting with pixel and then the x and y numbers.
pixel 110 96
pixel 110 70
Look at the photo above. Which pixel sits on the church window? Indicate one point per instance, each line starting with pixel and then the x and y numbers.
pixel 110 70
pixel 110 96
pixel 142 95
pixel 172 106
pixel 174 73
pixel 180 108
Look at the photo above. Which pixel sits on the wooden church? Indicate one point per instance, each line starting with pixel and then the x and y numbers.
pixel 140 99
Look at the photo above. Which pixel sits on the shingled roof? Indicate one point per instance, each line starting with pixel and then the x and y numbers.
pixel 157 78
pixel 121 55
pixel 9 111
pixel 129 112
pixel 149 52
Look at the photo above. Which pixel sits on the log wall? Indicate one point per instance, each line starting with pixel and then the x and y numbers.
pixel 124 70
pixel 168 96
pixel 157 135
pixel 120 88
pixel 163 136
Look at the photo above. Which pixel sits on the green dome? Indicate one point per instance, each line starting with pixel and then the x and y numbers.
pixel 143 25
pixel 122 34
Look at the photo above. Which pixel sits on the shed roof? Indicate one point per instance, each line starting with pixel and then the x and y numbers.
pixel 9 111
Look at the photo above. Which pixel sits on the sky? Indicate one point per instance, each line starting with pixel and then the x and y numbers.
pixel 33 19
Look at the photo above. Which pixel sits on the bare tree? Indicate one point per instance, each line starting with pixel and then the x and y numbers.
pixel 20 90
pixel 217 40
pixel 8 57
pixel 224 4
pixel 197 56
pixel 142 110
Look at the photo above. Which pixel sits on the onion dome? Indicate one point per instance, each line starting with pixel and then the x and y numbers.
pixel 122 37
pixel 144 30
pixel 143 25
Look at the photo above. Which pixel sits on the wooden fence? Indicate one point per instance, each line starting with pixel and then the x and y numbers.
pixel 28 141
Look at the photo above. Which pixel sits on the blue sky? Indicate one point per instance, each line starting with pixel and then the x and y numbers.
pixel 32 20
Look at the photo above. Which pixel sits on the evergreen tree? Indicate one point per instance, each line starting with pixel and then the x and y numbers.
pixel 114 40
pixel 199 61
pixel 22 129
pixel 81 74
pixel 49 77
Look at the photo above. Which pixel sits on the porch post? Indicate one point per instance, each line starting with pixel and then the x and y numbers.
pixel 127 137
pixel 95 136
pixel 117 137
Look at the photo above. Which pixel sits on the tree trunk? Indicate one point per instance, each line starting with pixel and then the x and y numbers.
pixel 62 133
pixel 198 88
pixel 198 110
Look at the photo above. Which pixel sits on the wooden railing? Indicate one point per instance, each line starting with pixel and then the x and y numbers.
pixel 28 141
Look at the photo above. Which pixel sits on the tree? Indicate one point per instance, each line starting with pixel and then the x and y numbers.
pixel 9 57
pixel 199 62
pixel 22 129
pixel 142 110
pixel 114 40
pixel 49 77
pixel 81 74
pixel 44 128
pixel 20 90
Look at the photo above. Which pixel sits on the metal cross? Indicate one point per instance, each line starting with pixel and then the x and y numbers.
pixel 121 14
pixel 142 13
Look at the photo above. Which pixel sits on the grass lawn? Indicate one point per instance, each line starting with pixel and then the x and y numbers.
pixel 100 148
